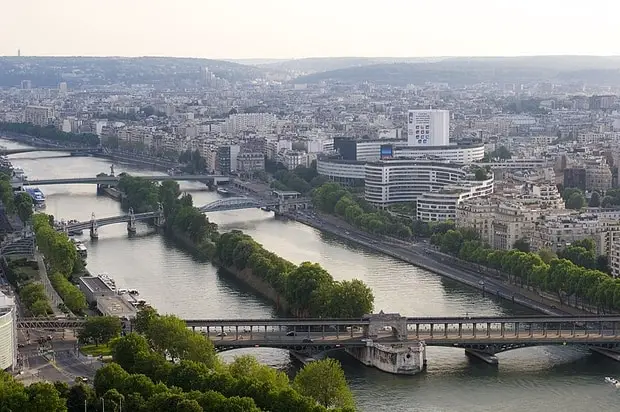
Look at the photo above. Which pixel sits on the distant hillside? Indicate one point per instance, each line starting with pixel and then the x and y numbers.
pixel 462 71
pixel 162 71
pixel 322 64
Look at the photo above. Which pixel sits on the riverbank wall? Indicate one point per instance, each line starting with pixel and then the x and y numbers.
pixel 264 289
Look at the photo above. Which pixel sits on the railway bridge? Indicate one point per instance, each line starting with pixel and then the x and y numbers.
pixel 384 340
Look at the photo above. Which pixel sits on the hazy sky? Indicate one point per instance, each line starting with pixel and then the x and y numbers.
pixel 308 28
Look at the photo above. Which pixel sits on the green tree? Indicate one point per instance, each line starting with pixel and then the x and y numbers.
pixel 248 367
pixel 43 397
pixel 110 376
pixel 522 244
pixel 324 381
pixel 143 320
pixel 80 394
pixel 576 201
pixel 595 200
pixel 128 349
pixel 100 329
pixel 23 206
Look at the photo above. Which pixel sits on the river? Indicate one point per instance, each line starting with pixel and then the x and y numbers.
pixel 544 378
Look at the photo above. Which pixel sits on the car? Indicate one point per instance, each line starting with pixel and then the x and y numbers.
pixel 307 341
pixel 84 379
pixel 291 333
pixel 222 334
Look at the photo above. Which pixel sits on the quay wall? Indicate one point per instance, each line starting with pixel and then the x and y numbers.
pixel 259 286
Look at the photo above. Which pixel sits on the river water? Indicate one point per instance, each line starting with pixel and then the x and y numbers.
pixel 549 378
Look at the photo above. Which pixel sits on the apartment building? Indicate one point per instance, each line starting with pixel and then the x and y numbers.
pixel 39 115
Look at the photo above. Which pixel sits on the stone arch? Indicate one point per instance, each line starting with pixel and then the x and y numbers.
pixel 379 322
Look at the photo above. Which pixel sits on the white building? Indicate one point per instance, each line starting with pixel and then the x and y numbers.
pixel 8 333
pixel 428 128
pixel 392 181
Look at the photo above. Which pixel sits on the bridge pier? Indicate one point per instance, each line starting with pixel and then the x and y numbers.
pixel 94 233
pixel 131 223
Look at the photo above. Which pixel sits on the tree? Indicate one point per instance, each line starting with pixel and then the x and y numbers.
pixel 522 244
pixel 100 329
pixel 43 397
pixel 247 366
pixel 126 350
pixel 23 206
pixel 80 394
pixel 110 376
pixel 576 201
pixel 145 315
pixel 595 200
pixel 324 381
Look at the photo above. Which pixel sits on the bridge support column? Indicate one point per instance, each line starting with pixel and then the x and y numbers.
pixel 237 332
pixel 323 332
pixel 432 330
pixel 131 223
pixel 94 233
pixel 531 330
pixel 517 327
pixel 417 330
pixel 445 330
pixel 474 329
pixel 251 332
pixel 502 328
pixel 488 330
pixel 545 329
pixel 460 330
pixel 615 324
pixel 560 330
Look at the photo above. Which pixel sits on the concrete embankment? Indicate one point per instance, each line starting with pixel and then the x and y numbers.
pixel 492 287
pixel 259 286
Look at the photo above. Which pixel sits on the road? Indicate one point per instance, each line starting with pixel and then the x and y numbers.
pixel 420 255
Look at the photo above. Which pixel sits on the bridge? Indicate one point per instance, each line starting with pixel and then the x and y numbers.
pixel 231 203
pixel 72 150
pixel 482 337
pixel 113 180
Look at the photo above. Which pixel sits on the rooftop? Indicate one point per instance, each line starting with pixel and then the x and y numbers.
pixel 95 284
pixel 115 305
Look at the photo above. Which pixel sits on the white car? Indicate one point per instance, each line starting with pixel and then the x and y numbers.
pixel 222 334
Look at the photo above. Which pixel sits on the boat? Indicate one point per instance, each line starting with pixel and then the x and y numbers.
pixel 133 292
pixel 105 278
pixel 613 381
pixel 81 249
pixel 37 195
pixel 223 191
pixel 18 173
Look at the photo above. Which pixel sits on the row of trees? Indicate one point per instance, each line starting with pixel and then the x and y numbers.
pixel 56 246
pixel 63 261
pixel 573 284
pixel 51 133
pixel 574 198
pixel 71 295
pixel 334 199
pixel 19 203
pixel 32 296
pixel 201 380
pixel 193 161
pixel 310 290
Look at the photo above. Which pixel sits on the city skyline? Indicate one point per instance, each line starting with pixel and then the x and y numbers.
pixel 278 30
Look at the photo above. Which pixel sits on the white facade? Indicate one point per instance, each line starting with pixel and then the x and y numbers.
pixel 341 170
pixel 441 206
pixel 8 333
pixel 428 128
pixel 406 180
pixel 457 154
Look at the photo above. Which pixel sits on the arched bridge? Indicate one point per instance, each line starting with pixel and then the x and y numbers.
pixel 88 224
pixel 231 203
